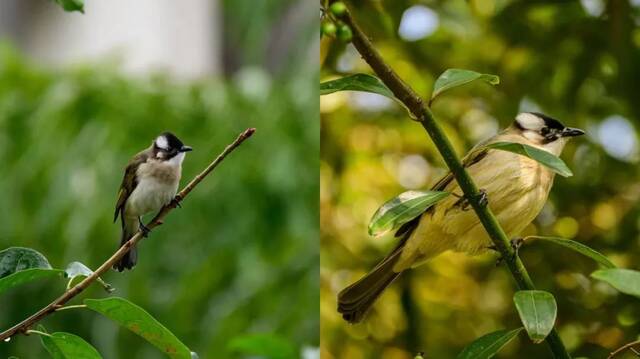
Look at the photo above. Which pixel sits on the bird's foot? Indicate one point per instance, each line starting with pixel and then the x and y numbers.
pixel 176 201
pixel 516 243
pixel 143 229
pixel 483 200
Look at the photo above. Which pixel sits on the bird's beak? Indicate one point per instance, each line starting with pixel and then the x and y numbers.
pixel 186 149
pixel 572 132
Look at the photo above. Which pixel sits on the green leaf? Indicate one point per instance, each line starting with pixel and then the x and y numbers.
pixel 140 322
pixel 266 345
pixel 402 209
pixel 62 345
pixel 357 82
pixel 537 310
pixel 580 248
pixel 488 345
pixel 457 77
pixel 625 280
pixel 15 259
pixel 71 5
pixel 20 265
pixel 548 159
pixel 78 270
pixel 25 276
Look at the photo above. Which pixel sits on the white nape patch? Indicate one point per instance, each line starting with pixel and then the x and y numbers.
pixel 162 143
pixel 177 159
pixel 529 121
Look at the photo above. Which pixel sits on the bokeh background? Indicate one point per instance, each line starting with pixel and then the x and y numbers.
pixel 577 61
pixel 80 94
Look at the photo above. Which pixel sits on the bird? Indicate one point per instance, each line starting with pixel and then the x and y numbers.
pixel 150 182
pixel 515 186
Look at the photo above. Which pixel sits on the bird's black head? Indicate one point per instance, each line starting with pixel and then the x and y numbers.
pixel 167 145
pixel 543 129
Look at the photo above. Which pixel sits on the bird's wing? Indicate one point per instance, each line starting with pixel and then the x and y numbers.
pixel 129 182
pixel 477 153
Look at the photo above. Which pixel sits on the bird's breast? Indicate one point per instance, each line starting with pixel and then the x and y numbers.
pixel 157 185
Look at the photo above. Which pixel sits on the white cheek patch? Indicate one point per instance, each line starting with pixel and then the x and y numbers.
pixel 177 159
pixel 532 136
pixel 530 121
pixel 162 142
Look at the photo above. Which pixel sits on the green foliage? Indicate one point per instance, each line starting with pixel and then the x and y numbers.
pixel 267 346
pixel 140 322
pixel 210 272
pixel 625 280
pixel 402 209
pixel 538 311
pixel 600 258
pixel 453 78
pixel 62 345
pixel 357 82
pixel 20 265
pixel 488 345
pixel 71 5
pixel 548 159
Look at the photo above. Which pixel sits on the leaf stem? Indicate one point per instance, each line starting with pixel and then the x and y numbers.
pixel 423 114
pixel 37 332
pixel 23 327
pixel 66 307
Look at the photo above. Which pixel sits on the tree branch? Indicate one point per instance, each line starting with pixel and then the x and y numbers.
pixel 423 114
pixel 57 304
pixel 622 349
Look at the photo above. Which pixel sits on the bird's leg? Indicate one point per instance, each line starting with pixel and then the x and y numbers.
pixel 463 202
pixel 144 229
pixel 516 243
pixel 176 201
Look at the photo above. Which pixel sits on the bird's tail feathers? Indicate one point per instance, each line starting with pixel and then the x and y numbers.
pixel 355 300
pixel 130 258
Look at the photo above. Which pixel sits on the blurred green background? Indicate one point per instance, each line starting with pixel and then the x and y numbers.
pixel 241 256
pixel 578 61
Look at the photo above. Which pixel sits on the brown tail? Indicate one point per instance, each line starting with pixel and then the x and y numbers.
pixel 355 300
pixel 130 258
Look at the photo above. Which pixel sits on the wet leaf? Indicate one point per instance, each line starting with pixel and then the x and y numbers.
pixel 545 158
pixel 625 280
pixel 488 345
pixel 580 248
pixel 453 78
pixel 357 82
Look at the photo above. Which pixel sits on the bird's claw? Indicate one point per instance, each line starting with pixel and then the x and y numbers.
pixel 176 201
pixel 144 229
pixel 516 243
pixel 483 200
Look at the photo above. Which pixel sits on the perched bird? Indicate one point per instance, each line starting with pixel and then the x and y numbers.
pixel 150 182
pixel 516 187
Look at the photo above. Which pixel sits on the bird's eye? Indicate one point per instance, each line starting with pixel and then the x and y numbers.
pixel 544 131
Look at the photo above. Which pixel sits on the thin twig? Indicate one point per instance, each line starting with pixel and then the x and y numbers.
pixel 24 326
pixel 422 114
pixel 622 349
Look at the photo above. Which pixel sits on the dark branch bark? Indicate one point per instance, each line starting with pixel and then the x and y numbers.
pixel 23 326
pixel 423 114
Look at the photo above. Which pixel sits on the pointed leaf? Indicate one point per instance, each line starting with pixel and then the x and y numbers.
pixel 548 159
pixel 265 345
pixel 28 275
pixel 15 259
pixel 20 265
pixel 142 323
pixel 580 248
pixel 357 82
pixel 71 5
pixel 537 310
pixel 457 77
pixel 402 209
pixel 625 280
pixel 77 270
pixel 62 345
pixel 488 345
